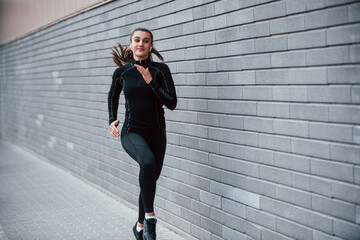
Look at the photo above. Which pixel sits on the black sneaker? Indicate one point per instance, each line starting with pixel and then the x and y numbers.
pixel 138 235
pixel 150 229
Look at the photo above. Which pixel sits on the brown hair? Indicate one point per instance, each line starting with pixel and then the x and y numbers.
pixel 125 55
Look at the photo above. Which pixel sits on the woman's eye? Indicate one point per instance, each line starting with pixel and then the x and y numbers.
pixel 137 40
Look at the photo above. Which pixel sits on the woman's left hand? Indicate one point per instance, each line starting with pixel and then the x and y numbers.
pixel 144 73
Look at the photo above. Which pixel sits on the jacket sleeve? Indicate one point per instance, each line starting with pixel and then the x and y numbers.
pixel 166 91
pixel 113 96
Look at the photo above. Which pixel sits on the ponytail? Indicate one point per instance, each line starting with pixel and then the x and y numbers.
pixel 125 55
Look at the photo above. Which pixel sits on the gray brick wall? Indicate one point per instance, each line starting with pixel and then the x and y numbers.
pixel 265 141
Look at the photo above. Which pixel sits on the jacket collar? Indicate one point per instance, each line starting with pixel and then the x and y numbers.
pixel 145 63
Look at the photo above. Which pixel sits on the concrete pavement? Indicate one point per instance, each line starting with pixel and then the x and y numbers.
pixel 41 201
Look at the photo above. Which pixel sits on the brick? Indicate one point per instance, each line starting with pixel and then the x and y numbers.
pixel 326 17
pixel 240 137
pixel 295 6
pixel 288 59
pixel 291 127
pixel 287 24
pixel 184 16
pixel 317 235
pixel 221 162
pixel 275 142
pixel 320 185
pixel 271 10
pixel 199 233
pixel 216 22
pixel 331 55
pixel 334 208
pixel 308 76
pixel 222 217
pixel 315 112
pixel 203 11
pixel 309 39
pixel 341 133
pixel 233 179
pixel 205 38
pixel 347 192
pixel 300 181
pixel 216 50
pixel 216 79
pixel 226 6
pixel 355 94
pixel 245 168
pixel 293 162
pixel 257 93
pixel 354 12
pixel 240 47
pixel 236 107
pixel 354 54
pixel 280 110
pixel 255 62
pixel 232 207
pixel 293 94
pixel 210 225
pixel 185 67
pixel 310 148
pixel 227 35
pixel 259 155
pixel 343 35
pixel 271 44
pixel 232 93
pixel 290 195
pixel 293 230
pixel 221 189
pixel 345 229
pixel 345 153
pixel 228 121
pixel 229 233
pixel 214 174
pixel 240 17
pixel 231 150
pixel 205 66
pixel 258 124
pixel 272 76
pixel 200 208
pixel 313 220
pixel 228 64
pixel 357 174
pixel 247 198
pixel 259 29
pixel 260 187
pixel 275 175
pixel 270 235
pixel 195 53
pixel 344 114
pixel 252 230
pixel 343 74
pixel 357 214
pixel 260 217
pixel 332 170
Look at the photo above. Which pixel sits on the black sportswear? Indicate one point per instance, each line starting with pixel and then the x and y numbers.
pixel 143 102
pixel 143 134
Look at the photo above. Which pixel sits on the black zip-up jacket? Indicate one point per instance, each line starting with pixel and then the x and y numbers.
pixel 143 102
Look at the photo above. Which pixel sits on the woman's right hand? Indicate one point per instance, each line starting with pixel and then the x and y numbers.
pixel 113 128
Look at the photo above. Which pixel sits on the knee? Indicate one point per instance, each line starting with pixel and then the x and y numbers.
pixel 149 164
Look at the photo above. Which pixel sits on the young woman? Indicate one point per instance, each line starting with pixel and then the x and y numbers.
pixel 147 86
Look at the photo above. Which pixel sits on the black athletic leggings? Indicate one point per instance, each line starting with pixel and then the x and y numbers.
pixel 147 147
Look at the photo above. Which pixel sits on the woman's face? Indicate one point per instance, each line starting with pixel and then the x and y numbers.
pixel 140 44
